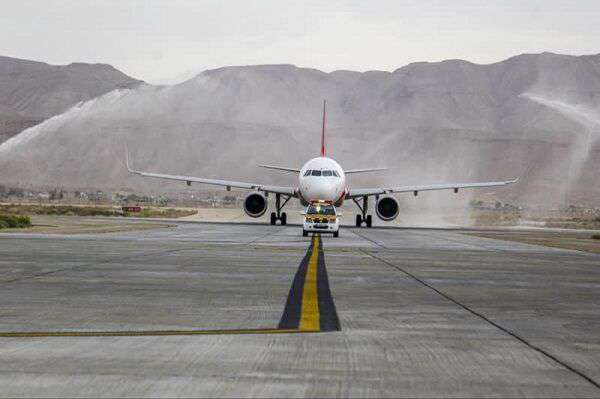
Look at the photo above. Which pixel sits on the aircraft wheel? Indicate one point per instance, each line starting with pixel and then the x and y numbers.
pixel 336 234
pixel 304 233
pixel 273 218
pixel 358 220
pixel 283 219
pixel 369 220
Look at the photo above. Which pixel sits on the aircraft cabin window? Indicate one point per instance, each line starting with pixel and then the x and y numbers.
pixel 327 173
pixel 316 173
pixel 307 173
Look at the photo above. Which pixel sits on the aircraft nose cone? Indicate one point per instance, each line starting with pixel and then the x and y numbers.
pixel 322 191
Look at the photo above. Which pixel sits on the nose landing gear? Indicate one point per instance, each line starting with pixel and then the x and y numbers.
pixel 281 216
pixel 363 217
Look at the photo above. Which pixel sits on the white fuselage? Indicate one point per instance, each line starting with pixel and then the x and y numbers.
pixel 322 179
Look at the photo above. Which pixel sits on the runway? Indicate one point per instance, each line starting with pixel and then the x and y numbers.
pixel 254 310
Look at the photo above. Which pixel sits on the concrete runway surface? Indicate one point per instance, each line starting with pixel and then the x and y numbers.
pixel 254 310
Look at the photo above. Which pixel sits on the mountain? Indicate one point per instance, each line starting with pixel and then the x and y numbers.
pixel 12 122
pixel 31 91
pixel 536 116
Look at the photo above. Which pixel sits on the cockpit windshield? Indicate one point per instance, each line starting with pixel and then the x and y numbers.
pixel 323 173
pixel 320 209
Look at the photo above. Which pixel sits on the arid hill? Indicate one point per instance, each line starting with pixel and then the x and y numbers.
pixel 32 91
pixel 534 116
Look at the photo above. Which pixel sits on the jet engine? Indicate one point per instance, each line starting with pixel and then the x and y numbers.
pixel 255 204
pixel 387 208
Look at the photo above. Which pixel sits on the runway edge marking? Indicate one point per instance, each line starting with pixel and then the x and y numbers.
pixel 309 308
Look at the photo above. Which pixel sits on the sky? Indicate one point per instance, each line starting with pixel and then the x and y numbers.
pixel 171 40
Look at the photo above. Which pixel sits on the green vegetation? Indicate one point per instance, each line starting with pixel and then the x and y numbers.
pixel 596 237
pixel 14 221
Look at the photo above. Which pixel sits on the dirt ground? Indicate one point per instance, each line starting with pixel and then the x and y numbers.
pixel 577 240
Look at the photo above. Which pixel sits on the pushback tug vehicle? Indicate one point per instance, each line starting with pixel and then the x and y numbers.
pixel 321 217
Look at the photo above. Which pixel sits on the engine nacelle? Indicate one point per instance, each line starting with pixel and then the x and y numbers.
pixel 387 208
pixel 255 204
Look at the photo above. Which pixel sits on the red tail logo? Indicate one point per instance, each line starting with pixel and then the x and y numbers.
pixel 323 131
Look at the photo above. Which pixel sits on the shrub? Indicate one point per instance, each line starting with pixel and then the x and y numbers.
pixel 596 237
pixel 23 221
pixel 10 220
pixel 13 221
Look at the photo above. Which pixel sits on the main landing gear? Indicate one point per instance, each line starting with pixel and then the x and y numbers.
pixel 364 208
pixel 281 216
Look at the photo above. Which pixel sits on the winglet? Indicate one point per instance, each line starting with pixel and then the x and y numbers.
pixel 323 152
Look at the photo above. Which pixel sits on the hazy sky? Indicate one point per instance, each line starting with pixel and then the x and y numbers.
pixel 166 40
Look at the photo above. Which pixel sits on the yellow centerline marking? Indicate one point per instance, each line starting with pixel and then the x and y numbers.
pixel 309 316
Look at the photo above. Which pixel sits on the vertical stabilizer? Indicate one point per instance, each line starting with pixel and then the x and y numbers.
pixel 323 152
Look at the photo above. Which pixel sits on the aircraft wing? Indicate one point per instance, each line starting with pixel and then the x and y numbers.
pixel 361 192
pixel 291 191
pixel 363 170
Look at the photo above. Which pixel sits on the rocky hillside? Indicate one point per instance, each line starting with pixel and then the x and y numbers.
pixel 31 91
pixel 535 116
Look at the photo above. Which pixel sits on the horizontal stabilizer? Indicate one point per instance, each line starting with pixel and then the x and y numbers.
pixel 364 170
pixel 282 168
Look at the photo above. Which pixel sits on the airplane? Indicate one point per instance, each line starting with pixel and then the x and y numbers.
pixel 321 179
